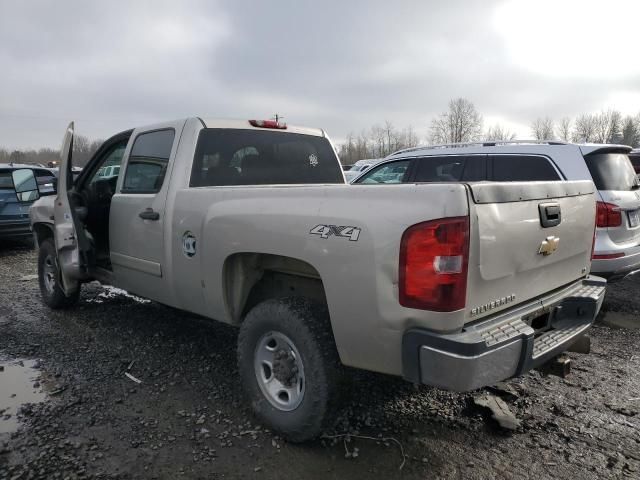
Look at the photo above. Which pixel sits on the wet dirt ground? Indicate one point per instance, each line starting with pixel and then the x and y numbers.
pixel 188 419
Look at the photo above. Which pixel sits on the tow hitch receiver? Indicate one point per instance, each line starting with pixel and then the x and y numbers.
pixel 559 366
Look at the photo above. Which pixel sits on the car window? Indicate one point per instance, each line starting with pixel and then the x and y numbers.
pixel 110 167
pixel 148 161
pixel 475 168
pixel 393 172
pixel 635 161
pixel 523 168
pixel 5 179
pixel 447 168
pixel 611 171
pixel 262 157
pixel 43 176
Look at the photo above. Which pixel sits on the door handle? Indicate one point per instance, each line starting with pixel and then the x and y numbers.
pixel 149 214
pixel 550 214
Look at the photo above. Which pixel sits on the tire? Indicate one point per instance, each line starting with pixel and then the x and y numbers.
pixel 49 279
pixel 304 359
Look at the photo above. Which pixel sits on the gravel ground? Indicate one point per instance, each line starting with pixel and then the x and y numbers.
pixel 188 419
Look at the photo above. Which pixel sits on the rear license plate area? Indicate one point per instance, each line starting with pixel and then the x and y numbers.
pixel 634 218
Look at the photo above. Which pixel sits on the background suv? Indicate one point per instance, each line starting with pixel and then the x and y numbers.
pixel 14 215
pixel 617 245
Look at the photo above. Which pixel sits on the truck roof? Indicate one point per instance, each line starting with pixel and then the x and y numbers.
pixel 244 124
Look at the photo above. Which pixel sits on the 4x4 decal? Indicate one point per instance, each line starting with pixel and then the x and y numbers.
pixel 325 231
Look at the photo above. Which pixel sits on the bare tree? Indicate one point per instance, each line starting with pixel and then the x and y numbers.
pixel 631 131
pixel 461 123
pixel 564 129
pixel 499 133
pixel 608 127
pixel 543 129
pixel 378 141
pixel 584 130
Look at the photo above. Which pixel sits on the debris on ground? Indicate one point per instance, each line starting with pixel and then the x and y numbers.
pixel 504 389
pixel 499 411
pixel 132 378
pixel 28 278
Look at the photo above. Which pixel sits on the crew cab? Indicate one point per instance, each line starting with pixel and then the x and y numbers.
pixel 457 285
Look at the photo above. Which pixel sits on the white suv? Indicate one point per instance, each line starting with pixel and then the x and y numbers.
pixel 617 245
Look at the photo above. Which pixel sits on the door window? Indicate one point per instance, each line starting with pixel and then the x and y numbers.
pixel 393 172
pixel 447 168
pixel 110 164
pixel 148 161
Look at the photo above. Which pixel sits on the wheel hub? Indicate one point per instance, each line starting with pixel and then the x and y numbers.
pixel 284 367
pixel 279 371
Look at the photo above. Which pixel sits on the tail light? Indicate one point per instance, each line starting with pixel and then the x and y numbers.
pixel 608 215
pixel 607 256
pixel 268 124
pixel 433 265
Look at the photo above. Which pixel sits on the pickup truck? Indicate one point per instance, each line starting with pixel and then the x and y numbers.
pixel 455 285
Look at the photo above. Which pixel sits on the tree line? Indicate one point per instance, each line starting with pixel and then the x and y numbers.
pixel 83 150
pixel 463 123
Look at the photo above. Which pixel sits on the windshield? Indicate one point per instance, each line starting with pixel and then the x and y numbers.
pixel 611 171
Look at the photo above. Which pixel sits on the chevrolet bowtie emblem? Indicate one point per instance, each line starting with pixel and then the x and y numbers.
pixel 549 245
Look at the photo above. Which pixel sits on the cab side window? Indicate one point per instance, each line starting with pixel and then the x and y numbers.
pixel 148 162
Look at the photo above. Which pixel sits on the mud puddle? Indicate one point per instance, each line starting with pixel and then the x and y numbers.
pixel 19 385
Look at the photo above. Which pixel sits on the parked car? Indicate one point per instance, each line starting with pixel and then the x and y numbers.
pixel 14 213
pixel 359 167
pixel 634 156
pixel 251 223
pixel 617 246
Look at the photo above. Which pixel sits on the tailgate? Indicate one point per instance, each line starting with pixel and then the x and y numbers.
pixel 526 240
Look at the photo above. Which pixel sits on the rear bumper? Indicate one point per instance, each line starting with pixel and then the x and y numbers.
pixel 614 268
pixel 505 345
pixel 617 268
pixel 15 228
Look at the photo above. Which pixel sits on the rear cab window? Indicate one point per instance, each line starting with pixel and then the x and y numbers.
pixel 611 171
pixel 226 157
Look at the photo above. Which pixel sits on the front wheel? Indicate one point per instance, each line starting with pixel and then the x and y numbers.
pixel 49 278
pixel 289 365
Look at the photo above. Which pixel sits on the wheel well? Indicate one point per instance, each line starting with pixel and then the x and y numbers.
pixel 42 231
pixel 251 278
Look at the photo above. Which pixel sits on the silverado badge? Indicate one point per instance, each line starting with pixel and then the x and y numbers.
pixel 549 245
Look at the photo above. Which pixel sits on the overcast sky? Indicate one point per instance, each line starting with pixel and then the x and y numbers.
pixel 341 65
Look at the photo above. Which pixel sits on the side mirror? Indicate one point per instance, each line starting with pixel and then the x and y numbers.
pixel 25 185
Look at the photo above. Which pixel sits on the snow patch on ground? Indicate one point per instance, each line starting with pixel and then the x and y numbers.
pixel 114 292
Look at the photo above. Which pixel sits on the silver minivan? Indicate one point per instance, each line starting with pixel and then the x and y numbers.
pixel 617 237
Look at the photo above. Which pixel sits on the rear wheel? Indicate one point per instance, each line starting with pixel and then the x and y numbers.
pixel 49 278
pixel 289 365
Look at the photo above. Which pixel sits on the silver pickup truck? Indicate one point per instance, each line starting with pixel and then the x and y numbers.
pixel 456 285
